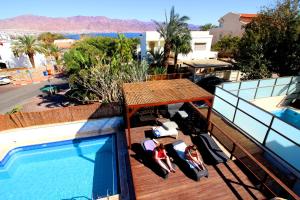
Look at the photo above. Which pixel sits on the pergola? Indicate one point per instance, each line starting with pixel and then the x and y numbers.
pixel 162 92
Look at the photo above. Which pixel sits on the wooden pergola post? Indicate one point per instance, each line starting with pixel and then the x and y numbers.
pixel 128 126
pixel 209 102
pixel 129 113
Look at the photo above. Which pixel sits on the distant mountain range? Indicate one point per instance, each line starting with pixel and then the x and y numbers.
pixel 76 24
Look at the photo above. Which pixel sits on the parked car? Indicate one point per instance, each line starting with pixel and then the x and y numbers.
pixel 4 80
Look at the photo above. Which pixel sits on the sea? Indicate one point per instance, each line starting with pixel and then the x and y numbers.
pixel 113 35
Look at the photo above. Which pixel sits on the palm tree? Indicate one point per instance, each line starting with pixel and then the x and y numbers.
pixel 51 50
pixel 169 31
pixel 28 45
pixel 207 27
pixel 155 57
pixel 182 44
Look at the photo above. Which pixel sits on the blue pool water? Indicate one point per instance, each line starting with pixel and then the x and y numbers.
pixel 79 169
pixel 113 35
pixel 289 116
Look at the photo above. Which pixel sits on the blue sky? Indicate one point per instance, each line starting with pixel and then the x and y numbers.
pixel 199 11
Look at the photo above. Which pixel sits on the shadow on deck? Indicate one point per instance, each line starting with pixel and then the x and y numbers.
pixel 225 181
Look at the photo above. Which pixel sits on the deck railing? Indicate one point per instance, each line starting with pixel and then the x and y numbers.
pixel 240 153
pixel 279 137
pixel 167 76
pixel 266 179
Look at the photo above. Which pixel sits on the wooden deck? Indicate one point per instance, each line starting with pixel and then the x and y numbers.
pixel 225 181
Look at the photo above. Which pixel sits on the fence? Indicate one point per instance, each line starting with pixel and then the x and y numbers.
pixel 59 115
pixel 167 76
pixel 256 89
pixel 279 137
pixel 265 179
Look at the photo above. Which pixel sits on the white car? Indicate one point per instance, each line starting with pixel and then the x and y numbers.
pixel 4 80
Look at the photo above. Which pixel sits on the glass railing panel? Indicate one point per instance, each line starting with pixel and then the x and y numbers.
pixel 292 88
pixel 264 92
pixel 235 92
pixel 296 79
pixel 224 108
pixel 283 80
pixel 287 130
pixel 231 86
pixel 280 90
pixel 249 84
pixel 267 82
pixel 284 148
pixel 255 112
pixel 247 94
pixel 226 96
pixel 251 126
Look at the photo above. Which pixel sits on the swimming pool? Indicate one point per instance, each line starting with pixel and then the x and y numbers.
pixel 74 169
pixel 289 116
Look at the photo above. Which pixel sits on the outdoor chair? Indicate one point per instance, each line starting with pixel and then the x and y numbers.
pixel 211 149
pixel 148 146
pixel 185 164
pixel 168 128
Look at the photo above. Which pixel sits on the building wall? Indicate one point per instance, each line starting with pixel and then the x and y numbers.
pixel 197 37
pixel 229 25
pixel 11 61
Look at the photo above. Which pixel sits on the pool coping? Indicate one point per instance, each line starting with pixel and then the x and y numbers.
pixel 109 125
pixel 13 151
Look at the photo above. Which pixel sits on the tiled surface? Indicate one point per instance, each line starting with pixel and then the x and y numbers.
pixel 55 132
pixel 270 103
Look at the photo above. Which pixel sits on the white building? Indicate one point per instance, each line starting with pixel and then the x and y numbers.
pixel 201 45
pixel 231 24
pixel 8 60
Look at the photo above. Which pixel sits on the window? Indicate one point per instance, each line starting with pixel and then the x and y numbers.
pixel 200 46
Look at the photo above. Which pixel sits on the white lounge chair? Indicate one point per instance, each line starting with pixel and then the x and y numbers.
pixel 167 129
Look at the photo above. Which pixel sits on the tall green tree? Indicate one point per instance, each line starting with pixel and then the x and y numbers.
pixel 207 27
pixel 271 42
pixel 28 45
pixel 227 46
pixel 48 38
pixel 182 44
pixel 51 50
pixel 169 31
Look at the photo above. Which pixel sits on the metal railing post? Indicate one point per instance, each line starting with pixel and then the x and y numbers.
pixel 256 89
pixel 274 87
pixel 236 107
pixel 238 93
pixel 268 131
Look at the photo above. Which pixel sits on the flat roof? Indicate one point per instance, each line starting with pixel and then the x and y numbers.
pixel 206 63
pixel 162 92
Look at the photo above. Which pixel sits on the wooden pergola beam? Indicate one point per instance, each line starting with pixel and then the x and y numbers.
pixel 156 93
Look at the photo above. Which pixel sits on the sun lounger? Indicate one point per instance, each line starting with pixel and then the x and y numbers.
pixel 211 149
pixel 161 131
pixel 187 166
pixel 148 146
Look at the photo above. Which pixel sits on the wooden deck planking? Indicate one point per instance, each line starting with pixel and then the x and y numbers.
pixel 226 181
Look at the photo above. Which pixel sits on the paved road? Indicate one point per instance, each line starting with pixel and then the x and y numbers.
pixel 10 96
